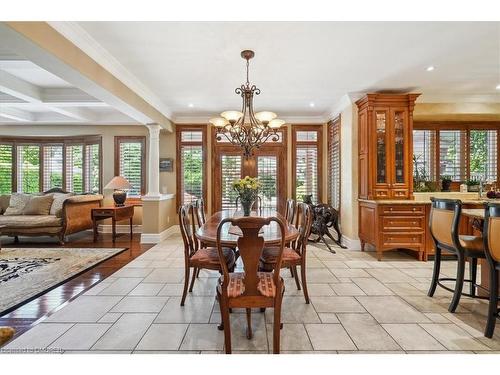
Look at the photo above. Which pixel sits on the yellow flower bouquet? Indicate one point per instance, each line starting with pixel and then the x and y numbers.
pixel 248 189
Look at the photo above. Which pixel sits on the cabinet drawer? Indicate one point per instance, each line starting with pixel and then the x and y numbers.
pixel 402 209
pixel 381 193
pixel 102 212
pixel 403 239
pixel 400 193
pixel 409 223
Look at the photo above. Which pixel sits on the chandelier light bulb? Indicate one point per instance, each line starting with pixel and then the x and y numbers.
pixel 218 122
pixel 276 123
pixel 232 116
pixel 265 116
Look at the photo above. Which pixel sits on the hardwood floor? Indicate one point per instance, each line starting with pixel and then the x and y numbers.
pixel 22 318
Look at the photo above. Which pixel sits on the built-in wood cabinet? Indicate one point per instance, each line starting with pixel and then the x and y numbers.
pixel 385 146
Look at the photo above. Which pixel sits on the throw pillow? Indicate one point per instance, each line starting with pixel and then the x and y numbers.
pixel 58 202
pixel 4 203
pixel 39 205
pixel 17 203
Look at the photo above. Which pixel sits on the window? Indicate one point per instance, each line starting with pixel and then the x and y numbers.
pixel 267 173
pixel 31 165
pixel 130 163
pixel 460 151
pixel 307 154
pixel 231 171
pixel 424 155
pixel 191 168
pixel 334 163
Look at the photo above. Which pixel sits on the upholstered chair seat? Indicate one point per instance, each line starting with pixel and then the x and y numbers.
pixel 471 243
pixel 209 257
pixel 270 255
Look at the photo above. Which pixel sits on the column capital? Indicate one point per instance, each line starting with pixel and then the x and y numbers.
pixel 154 130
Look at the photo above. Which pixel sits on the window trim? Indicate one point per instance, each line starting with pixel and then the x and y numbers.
pixel 41 141
pixel 178 141
pixel 132 138
pixel 462 126
pixel 319 144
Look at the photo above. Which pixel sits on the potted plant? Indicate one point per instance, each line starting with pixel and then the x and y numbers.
pixel 445 183
pixel 472 185
pixel 248 189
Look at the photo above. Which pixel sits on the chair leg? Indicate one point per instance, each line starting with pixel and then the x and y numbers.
pixel 435 273
pixel 459 284
pixel 493 305
pixel 186 281
pixel 304 279
pixel 295 276
pixel 291 272
pixel 249 323
pixel 195 272
pixel 226 323
pixel 473 275
pixel 277 324
pixel 198 273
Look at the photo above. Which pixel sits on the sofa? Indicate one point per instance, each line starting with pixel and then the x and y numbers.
pixel 40 215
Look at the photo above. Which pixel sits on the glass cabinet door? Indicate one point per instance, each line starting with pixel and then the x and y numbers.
pixel 399 146
pixel 381 138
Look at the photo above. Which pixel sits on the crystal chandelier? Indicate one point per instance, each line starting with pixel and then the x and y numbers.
pixel 247 129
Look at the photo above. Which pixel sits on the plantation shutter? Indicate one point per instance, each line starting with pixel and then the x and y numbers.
pixel 334 164
pixel 267 172
pixel 52 167
pixel 424 155
pixel 28 169
pixel 6 156
pixel 74 168
pixel 483 155
pixel 131 163
pixel 452 154
pixel 92 168
pixel 231 171
pixel 306 172
pixel 191 173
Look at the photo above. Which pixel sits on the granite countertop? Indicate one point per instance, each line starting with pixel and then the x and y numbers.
pixel 415 202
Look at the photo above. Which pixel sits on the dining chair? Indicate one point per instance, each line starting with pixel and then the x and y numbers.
pixel 200 212
pixel 195 256
pixel 290 210
pixel 444 226
pixel 491 239
pixel 295 253
pixel 251 288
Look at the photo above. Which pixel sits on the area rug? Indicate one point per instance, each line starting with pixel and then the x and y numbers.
pixel 26 273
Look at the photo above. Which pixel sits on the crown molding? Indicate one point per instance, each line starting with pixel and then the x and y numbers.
pixel 83 40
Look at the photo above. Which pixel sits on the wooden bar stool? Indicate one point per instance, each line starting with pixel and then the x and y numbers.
pixel 444 223
pixel 491 236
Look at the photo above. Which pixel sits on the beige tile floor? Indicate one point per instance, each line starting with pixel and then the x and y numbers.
pixel 358 305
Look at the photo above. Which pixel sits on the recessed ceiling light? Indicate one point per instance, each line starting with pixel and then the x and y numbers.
pixel 430 68
pixel 498 87
pixel 311 104
pixel 190 105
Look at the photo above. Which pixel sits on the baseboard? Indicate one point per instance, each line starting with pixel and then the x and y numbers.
pixel 122 228
pixel 158 237
pixel 350 243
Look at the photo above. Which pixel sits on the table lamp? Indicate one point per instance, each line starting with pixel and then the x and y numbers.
pixel 119 184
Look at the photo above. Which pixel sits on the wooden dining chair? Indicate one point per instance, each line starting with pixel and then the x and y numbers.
pixel 290 210
pixel 200 212
pixel 444 226
pixel 295 253
pixel 491 239
pixel 251 288
pixel 198 257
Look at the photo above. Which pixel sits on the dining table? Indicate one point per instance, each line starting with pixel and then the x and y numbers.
pixel 207 233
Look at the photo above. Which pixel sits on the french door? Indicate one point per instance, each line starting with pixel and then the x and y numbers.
pixel 268 164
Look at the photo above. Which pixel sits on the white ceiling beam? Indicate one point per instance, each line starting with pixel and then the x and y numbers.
pixel 16 114
pixel 10 84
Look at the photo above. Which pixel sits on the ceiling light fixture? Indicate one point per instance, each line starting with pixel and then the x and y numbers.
pixel 430 68
pixel 245 128
pixel 311 104
pixel 498 87
pixel 190 105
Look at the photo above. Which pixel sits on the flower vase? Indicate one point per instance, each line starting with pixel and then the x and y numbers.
pixel 247 207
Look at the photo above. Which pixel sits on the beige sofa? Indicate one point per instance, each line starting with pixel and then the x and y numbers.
pixel 75 216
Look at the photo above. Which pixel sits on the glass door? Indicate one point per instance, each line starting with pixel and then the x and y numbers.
pixel 231 171
pixel 267 172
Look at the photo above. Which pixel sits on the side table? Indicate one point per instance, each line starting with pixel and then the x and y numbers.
pixel 113 213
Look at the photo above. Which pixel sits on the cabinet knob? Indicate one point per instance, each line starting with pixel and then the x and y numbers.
pixel 414 209
pixel 390 209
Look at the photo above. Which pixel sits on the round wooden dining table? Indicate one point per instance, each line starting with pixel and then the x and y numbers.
pixel 207 233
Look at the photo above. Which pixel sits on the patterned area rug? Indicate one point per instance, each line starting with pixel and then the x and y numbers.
pixel 29 272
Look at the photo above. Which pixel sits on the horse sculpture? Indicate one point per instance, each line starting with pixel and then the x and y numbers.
pixel 324 217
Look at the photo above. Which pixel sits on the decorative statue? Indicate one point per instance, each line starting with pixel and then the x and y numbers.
pixel 324 217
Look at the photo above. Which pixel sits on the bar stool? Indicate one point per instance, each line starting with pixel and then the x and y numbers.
pixel 444 223
pixel 491 236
